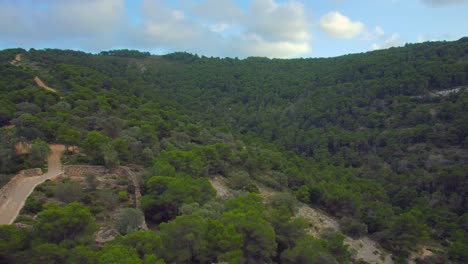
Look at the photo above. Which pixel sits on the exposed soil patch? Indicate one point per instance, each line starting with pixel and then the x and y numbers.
pixel 40 83
pixel 220 186
pixel 16 60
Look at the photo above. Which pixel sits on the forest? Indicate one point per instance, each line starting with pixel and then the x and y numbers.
pixel 378 140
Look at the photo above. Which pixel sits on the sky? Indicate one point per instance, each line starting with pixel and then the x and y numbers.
pixel 230 28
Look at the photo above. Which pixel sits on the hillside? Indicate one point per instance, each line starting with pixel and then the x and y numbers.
pixel 377 140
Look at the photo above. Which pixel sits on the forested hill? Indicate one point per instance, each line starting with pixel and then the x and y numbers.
pixel 376 139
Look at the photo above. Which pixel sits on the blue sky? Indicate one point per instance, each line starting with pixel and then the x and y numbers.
pixel 234 28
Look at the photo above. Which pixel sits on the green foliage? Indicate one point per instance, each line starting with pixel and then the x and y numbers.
pixel 72 222
pixel 183 239
pixel 32 205
pixel 48 253
pixel 38 153
pixel 352 227
pixel 12 240
pixel 95 146
pixel 129 220
pixel 91 181
pixel 308 250
pixel 246 214
pixel 223 243
pixel 118 254
pixel 108 198
pixel 373 137
pixel 165 195
pixel 82 255
pixel 146 243
pixel 123 196
pixel 68 191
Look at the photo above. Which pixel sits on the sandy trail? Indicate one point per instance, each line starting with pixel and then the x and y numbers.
pixel 16 60
pixel 22 187
pixel 40 83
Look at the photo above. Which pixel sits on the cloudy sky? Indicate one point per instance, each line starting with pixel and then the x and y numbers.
pixel 234 28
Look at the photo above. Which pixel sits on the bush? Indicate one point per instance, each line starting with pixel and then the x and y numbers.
pixel 352 227
pixel 123 196
pixel 91 181
pixel 129 220
pixel 122 181
pixel 32 205
pixel 108 198
pixel 68 192
pixel 284 199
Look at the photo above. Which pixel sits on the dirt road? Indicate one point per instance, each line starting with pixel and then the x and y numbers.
pixel 21 187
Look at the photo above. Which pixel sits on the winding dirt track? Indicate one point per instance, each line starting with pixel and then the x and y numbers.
pixel 22 187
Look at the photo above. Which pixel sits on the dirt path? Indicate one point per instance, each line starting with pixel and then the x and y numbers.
pixel 16 60
pixel 21 187
pixel 40 83
pixel 363 248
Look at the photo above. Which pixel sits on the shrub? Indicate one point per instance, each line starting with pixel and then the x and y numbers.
pixel 129 220
pixel 123 196
pixel 108 198
pixel 68 192
pixel 91 181
pixel 352 227
pixel 33 205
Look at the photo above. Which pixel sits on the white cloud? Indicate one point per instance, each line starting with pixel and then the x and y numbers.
pixel 219 10
pixel 254 45
pixel 90 22
pixel 219 27
pixel 379 31
pixel 340 26
pixel 394 41
pixel 273 28
pixel 266 28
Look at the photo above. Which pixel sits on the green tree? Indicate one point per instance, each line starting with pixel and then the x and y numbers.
pixel 92 146
pixel 118 254
pixel 72 222
pixel 258 237
pixel 38 151
pixel 183 239
pixel 146 243
pixel 129 220
pixel 223 243
pixel 82 255
pixel 12 240
pixel 48 253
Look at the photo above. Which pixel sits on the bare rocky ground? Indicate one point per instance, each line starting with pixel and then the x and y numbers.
pixel 16 60
pixel 41 84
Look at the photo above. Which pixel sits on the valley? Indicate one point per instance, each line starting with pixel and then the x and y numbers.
pixel 360 158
